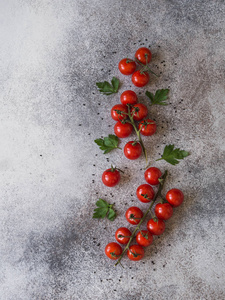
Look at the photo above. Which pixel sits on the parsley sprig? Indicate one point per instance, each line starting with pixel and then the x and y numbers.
pixel 159 98
pixel 109 143
pixel 108 89
pixel 172 155
pixel 104 209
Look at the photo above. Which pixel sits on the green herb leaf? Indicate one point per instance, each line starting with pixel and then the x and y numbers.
pixel 150 96
pixel 111 215
pixel 115 83
pixel 108 143
pixel 101 203
pixel 159 98
pixel 172 155
pixel 108 89
pixel 104 209
pixel 100 213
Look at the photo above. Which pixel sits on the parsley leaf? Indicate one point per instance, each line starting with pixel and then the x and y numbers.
pixel 172 155
pixel 104 209
pixel 101 203
pixel 108 89
pixel 159 98
pixel 111 215
pixel 108 143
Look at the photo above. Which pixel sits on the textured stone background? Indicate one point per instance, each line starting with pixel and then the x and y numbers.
pixel 52 53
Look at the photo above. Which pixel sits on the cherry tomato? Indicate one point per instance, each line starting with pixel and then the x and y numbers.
pixel 113 250
pixel 147 191
pixel 128 97
pixel 140 111
pixel 111 177
pixel 140 78
pixel 147 129
pixel 144 238
pixel 135 252
pixel 132 150
pixel 115 115
pixel 175 197
pixel 123 235
pixel 134 215
pixel 127 66
pixel 152 175
pixel 163 211
pixel 123 130
pixel 144 55
pixel 156 227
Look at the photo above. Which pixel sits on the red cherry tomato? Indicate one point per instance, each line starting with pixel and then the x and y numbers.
pixel 152 175
pixel 140 111
pixel 147 191
pixel 111 177
pixel 140 79
pixel 163 211
pixel 175 197
pixel 127 66
pixel 123 235
pixel 123 130
pixel 147 129
pixel 134 215
pixel 156 227
pixel 144 55
pixel 132 150
pixel 135 252
pixel 144 238
pixel 116 116
pixel 128 97
pixel 113 250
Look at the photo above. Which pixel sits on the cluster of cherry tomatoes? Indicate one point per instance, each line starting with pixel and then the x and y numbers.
pixel 155 226
pixel 123 128
pixel 126 114
pixel 128 66
pixel 122 113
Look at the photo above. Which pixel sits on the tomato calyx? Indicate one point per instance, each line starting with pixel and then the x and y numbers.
pixel 146 197
pixel 135 254
pixel 124 121
pixel 145 123
pixel 155 219
pixel 121 113
pixel 145 235
pixel 132 217
pixel 113 169
pixel 135 110
pixel 134 143
pixel 123 236
pixel 113 254
pixel 129 60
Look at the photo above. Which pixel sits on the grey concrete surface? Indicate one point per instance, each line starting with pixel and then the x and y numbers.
pixel 52 53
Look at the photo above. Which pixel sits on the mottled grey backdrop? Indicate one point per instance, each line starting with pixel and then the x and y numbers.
pixel 52 53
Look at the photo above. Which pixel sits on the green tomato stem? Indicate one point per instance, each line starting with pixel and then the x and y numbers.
pixel 145 68
pixel 138 134
pixel 144 217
